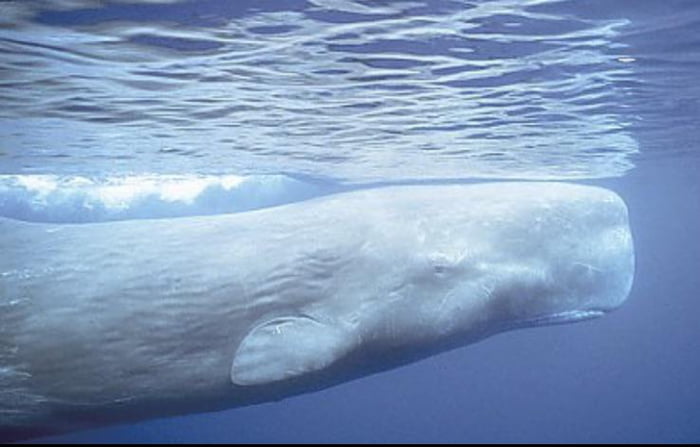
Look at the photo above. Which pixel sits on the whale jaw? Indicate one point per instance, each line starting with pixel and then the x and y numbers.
pixel 566 317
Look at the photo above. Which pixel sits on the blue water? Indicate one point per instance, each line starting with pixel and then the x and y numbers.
pixel 118 110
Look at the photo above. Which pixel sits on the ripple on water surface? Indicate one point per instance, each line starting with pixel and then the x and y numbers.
pixel 350 90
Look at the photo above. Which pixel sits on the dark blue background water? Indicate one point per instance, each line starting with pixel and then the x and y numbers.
pixel 616 107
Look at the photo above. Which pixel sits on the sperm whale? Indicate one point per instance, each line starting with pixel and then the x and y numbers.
pixel 113 322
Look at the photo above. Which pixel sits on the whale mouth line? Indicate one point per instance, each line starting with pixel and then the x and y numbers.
pixel 564 317
pixel 569 316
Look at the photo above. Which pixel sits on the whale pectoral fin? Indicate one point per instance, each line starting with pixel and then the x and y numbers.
pixel 286 347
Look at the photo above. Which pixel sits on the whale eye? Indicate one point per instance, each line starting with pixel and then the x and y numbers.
pixel 442 265
pixel 439 269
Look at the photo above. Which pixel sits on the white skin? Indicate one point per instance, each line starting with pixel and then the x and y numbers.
pixel 109 322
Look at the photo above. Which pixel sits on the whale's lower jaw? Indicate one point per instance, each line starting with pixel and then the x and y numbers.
pixel 570 316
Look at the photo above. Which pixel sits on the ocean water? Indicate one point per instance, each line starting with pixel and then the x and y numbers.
pixel 159 109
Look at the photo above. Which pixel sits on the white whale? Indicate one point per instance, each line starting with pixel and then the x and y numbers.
pixel 120 321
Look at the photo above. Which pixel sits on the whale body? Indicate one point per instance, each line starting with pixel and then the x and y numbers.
pixel 122 321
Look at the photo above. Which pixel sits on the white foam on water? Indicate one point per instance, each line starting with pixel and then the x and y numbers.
pixel 52 198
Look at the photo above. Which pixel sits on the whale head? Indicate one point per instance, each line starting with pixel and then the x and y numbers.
pixel 538 256
pixel 433 272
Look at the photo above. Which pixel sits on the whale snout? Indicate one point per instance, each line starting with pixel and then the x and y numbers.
pixel 574 260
